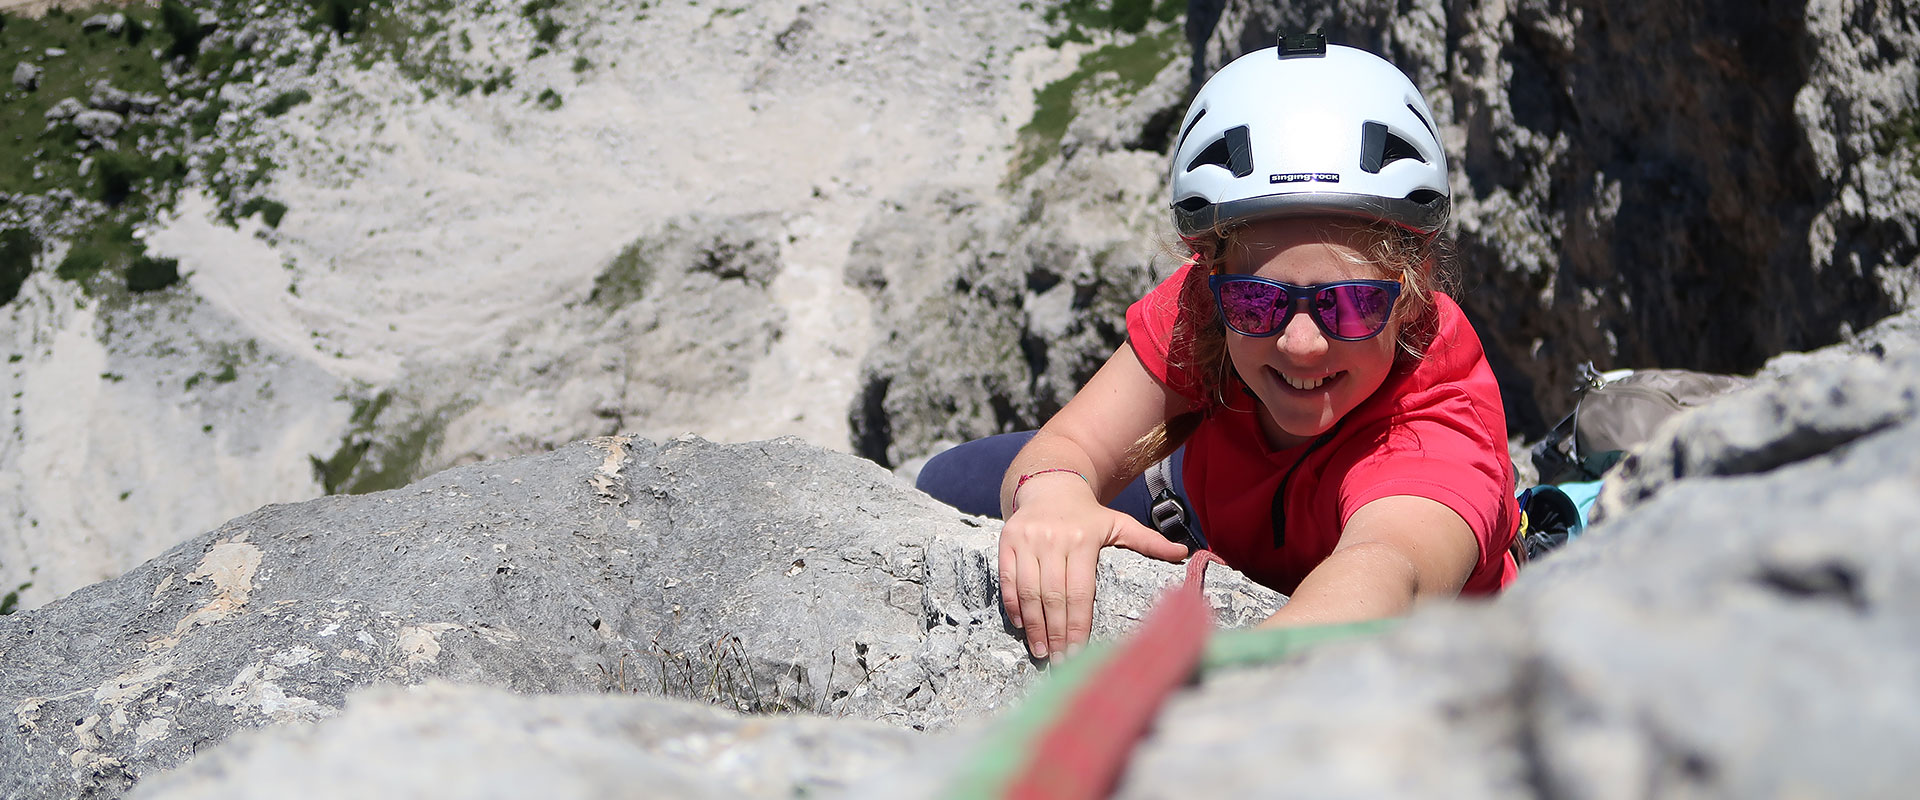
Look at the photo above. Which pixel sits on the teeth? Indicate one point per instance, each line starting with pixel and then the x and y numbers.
pixel 1305 384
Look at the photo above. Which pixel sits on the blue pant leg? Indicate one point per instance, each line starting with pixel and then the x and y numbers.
pixel 968 478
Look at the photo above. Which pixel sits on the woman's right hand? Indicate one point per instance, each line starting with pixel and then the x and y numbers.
pixel 1049 548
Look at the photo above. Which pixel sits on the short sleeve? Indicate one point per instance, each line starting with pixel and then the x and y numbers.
pixel 1440 452
pixel 1151 322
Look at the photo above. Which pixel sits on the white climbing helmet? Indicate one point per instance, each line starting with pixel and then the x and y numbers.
pixel 1309 128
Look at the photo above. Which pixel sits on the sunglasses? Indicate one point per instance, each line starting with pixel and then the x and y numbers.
pixel 1350 311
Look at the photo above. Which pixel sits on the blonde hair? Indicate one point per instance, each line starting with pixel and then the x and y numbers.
pixel 1422 264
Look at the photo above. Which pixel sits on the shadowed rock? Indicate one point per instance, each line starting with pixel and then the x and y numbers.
pixel 1702 186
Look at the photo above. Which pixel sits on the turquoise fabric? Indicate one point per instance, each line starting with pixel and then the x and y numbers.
pixel 1582 494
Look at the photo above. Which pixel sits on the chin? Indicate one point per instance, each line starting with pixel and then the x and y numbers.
pixel 1292 426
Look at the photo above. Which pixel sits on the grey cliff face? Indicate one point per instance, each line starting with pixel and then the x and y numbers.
pixel 1698 186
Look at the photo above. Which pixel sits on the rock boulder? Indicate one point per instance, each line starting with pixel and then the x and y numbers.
pixel 762 577
pixel 26 77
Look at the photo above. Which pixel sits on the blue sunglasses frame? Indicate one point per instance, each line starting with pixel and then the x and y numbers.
pixel 1299 296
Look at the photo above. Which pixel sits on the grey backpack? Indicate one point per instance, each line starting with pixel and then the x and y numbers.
pixel 1618 411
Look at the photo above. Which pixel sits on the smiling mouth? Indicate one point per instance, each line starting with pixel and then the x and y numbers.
pixel 1308 384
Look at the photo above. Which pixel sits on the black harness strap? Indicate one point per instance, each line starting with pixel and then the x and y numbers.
pixel 1168 510
pixel 1280 494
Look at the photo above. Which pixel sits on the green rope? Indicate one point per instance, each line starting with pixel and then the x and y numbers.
pixel 1248 647
pixel 1004 751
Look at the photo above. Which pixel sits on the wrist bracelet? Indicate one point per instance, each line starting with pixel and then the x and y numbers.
pixel 1037 473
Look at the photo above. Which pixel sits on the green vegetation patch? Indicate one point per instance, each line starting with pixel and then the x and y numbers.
pixel 120 176
pixel 10 602
pixel 1121 68
pixel 109 250
pixel 109 246
pixel 285 102
pixel 343 16
pixel 42 157
pixel 417 42
pixel 546 29
pixel 1124 16
pixel 626 278
pixel 270 211
pixel 18 250
pixel 366 463
pixel 1902 133
pixel 229 361
pixel 182 28
pixel 105 178
pixel 166 68
pixel 149 274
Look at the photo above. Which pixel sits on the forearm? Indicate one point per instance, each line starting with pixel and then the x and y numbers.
pixel 1046 451
pixel 1365 581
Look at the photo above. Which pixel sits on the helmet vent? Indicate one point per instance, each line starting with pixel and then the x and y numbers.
pixel 1232 151
pixel 1425 197
pixel 1423 120
pixel 1380 147
pixel 1189 130
pixel 1192 205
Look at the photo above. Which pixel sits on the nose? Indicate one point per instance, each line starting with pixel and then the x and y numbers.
pixel 1301 340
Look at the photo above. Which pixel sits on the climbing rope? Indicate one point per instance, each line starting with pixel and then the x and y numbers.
pixel 1071 738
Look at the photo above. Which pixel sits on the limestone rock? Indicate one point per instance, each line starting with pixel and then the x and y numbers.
pixel 64 110
pixel 676 320
pixel 444 740
pixel 96 124
pixel 143 103
pixel 1610 185
pixel 491 348
pixel 763 577
pixel 110 24
pixel 1817 411
pixel 106 98
pixel 991 322
pixel 26 77
pixel 1749 625
pixel 1715 640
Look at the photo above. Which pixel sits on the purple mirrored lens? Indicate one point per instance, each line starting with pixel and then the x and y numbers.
pixel 1252 308
pixel 1353 311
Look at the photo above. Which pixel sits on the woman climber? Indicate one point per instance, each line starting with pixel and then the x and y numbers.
pixel 1327 415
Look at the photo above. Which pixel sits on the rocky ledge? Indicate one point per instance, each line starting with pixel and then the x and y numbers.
pixel 769 577
pixel 797 621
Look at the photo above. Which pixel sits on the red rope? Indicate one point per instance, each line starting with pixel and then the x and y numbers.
pixel 1083 753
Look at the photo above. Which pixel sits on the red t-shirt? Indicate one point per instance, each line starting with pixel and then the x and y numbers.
pixel 1434 429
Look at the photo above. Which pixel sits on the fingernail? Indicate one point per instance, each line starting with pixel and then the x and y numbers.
pixel 1016 622
pixel 1040 650
pixel 1075 648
